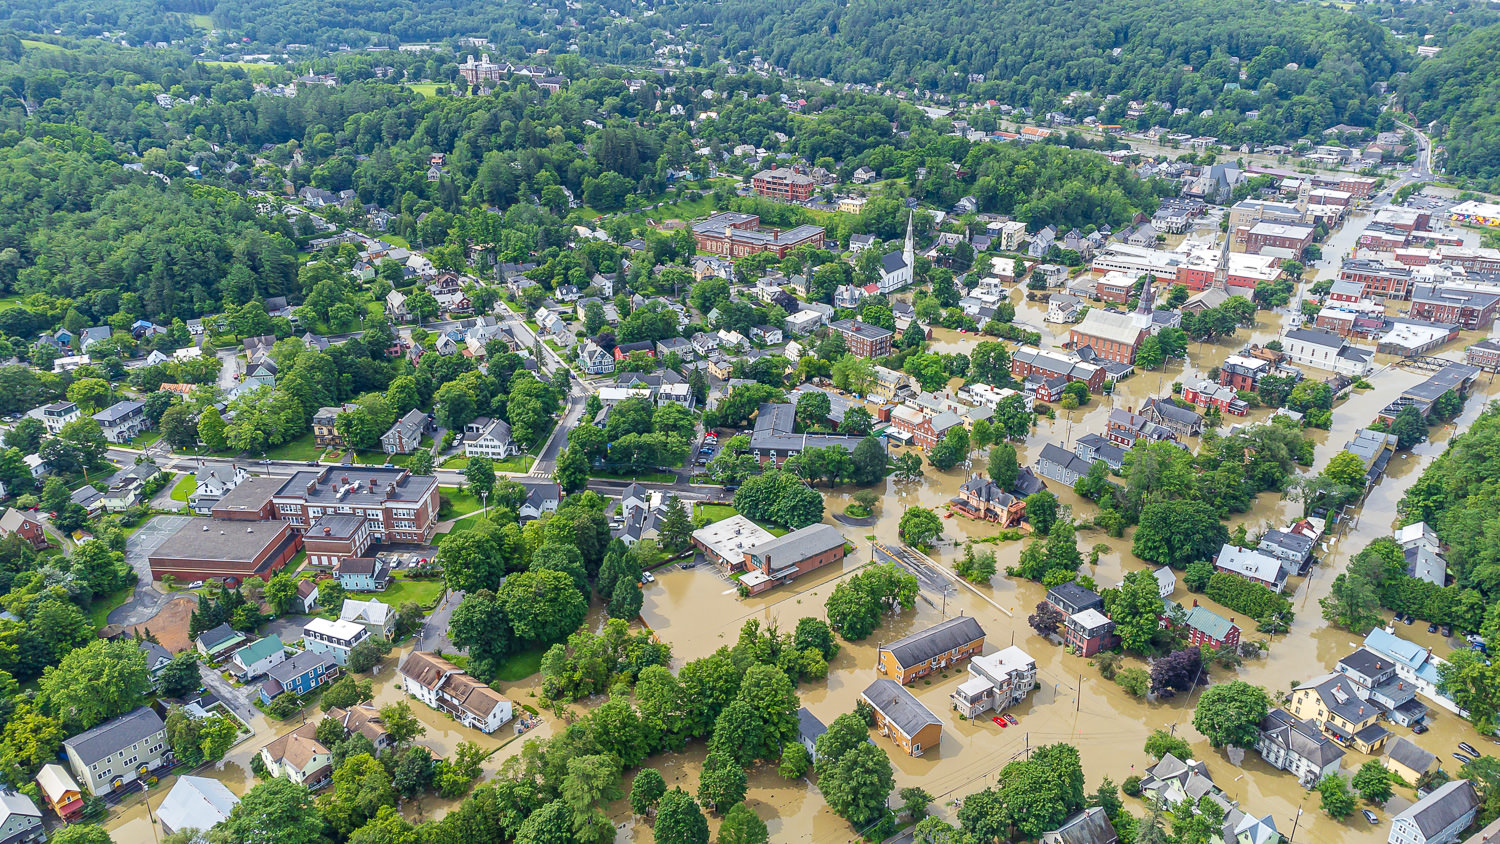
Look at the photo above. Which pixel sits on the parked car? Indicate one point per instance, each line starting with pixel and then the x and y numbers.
pixel 1432 628
pixel 1001 721
pixel 648 577
pixel 1468 748
pixel 1446 630
pixel 1010 718
pixel 1400 616
pixel 1462 759
pixel 1420 727
pixel 1369 816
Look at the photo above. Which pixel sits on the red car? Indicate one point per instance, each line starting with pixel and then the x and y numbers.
pixel 998 720
pixel 1010 718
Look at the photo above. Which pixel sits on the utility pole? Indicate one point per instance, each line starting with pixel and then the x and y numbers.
pixel 1078 701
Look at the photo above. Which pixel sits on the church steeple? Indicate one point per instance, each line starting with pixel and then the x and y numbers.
pixel 908 252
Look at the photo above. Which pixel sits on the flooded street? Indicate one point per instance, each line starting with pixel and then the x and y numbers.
pixel 698 612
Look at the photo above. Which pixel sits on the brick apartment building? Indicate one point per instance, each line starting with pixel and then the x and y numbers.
pixel 863 339
pixel 1471 309
pixel 1379 279
pixel 1029 360
pixel 736 235
pixel 1243 373
pixel 1291 236
pixel 784 184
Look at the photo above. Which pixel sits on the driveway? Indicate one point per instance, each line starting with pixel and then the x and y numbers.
pixel 148 598
pixel 434 633
pixel 237 699
pixel 288 627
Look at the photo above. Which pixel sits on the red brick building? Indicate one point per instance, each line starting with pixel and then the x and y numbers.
pixel 863 339
pixel 1290 236
pixel 784 184
pixel 212 548
pixel 1114 287
pixel 1471 309
pixel 399 506
pixel 1029 360
pixel 1378 279
pixel 786 558
pixel 14 522
pixel 1239 372
pixel 1112 336
pixel 1208 395
pixel 736 235
pixel 1206 627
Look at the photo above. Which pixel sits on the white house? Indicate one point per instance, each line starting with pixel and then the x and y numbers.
pixel 490 438
pixel 445 687
pixel 335 638
pixel 373 615
pixel 259 656
pixel 1439 817
pixel 1325 350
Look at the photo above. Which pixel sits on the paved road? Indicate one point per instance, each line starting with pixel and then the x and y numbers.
pixel 148 598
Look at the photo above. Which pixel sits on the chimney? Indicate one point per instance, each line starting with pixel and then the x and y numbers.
pixel 1195 602
pixel 374 482
pixel 328 531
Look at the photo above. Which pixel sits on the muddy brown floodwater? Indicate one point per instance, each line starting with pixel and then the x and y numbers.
pixel 698 612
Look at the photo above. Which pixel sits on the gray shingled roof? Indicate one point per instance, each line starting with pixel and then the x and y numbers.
pixel 1404 751
pixel 940 638
pixel 112 736
pixel 892 700
pixel 798 545
pixel 1435 812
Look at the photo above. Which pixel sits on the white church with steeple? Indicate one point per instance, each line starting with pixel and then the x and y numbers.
pixel 896 268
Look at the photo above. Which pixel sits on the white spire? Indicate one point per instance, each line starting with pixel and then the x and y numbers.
pixel 909 251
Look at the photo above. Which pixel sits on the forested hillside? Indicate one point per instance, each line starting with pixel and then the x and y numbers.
pixel 1034 52
pixel 1304 67
pixel 1460 88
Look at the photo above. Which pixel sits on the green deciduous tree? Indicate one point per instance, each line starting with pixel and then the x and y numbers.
pixel 1230 713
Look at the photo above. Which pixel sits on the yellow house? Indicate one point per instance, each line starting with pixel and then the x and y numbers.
pixel 1331 702
pixel 887 383
pixel 1408 760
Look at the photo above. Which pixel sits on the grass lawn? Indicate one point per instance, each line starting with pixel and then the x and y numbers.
pixel 426 89
pixel 720 512
pixel 519 463
pixel 40 45
pixel 105 604
pixel 302 448
pixel 201 21
pixel 457 461
pixel 648 477
pixel 380 458
pixel 13 301
pixel 713 512
pixel 455 503
pixel 186 486
pixel 684 209
pixel 520 666
pixel 146 440
pixel 401 590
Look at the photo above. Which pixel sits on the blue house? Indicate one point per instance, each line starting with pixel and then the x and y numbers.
pixel 299 675
pixel 362 574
